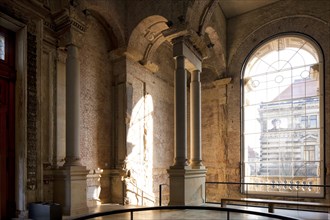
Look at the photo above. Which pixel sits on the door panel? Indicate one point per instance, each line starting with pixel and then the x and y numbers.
pixel 7 126
pixel 3 146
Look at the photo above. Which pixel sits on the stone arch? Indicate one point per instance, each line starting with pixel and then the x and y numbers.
pixel 113 41
pixel 217 60
pixel 199 14
pixel 145 39
pixel 307 25
pixel 108 17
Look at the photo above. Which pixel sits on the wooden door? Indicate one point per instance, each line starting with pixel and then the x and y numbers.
pixel 7 125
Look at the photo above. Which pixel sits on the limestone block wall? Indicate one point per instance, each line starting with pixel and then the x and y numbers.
pixel 220 159
pixel 150 134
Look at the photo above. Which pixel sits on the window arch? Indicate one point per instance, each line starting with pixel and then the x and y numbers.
pixel 282 118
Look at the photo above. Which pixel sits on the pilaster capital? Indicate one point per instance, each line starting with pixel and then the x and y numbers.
pixel 61 54
pixel 192 40
pixel 70 26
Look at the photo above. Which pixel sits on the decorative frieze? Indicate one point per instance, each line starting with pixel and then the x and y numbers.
pixel 66 20
pixel 31 112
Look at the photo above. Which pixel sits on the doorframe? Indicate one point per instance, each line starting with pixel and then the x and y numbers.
pixel 20 30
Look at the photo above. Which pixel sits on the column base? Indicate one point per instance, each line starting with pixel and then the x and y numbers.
pixel 117 186
pixel 70 189
pixel 187 186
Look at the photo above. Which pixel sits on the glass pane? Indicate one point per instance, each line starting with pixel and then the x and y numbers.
pixel 281 129
pixel 2 47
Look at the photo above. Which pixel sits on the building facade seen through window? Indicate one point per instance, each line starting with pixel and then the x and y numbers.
pixel 282 111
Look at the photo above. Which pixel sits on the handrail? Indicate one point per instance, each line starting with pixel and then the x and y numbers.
pixel 144 194
pixel 228 210
pixel 267 184
pixel 296 195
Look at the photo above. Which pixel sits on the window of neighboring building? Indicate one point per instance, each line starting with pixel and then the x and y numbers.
pixel 304 121
pixel 2 47
pixel 282 130
pixel 313 121
pixel 309 153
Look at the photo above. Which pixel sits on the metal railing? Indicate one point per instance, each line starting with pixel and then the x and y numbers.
pixel 288 190
pixel 138 192
pixel 219 209
pixel 287 196
pixel 160 193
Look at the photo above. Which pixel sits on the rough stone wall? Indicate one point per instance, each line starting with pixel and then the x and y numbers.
pixel 150 131
pixel 95 98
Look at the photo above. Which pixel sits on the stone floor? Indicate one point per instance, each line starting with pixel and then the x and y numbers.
pixel 201 214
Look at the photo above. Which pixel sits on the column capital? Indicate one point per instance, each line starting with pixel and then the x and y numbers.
pixel 195 42
pixel 70 25
pixel 182 47
pixel 195 76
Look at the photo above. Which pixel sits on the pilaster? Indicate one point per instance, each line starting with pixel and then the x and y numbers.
pixel 120 116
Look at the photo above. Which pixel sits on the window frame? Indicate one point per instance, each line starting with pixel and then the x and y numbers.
pixel 8 64
pixel 319 120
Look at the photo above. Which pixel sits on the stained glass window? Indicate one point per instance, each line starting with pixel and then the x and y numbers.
pixel 2 47
pixel 282 107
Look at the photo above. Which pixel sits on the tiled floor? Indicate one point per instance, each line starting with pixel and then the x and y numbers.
pixel 201 214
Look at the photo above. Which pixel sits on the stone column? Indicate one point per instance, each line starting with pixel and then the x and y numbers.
pixel 195 120
pixel 180 113
pixel 72 107
pixel 187 184
pixel 70 179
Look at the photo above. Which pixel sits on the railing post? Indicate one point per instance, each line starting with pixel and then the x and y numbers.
pixel 131 215
pixel 228 215
pixel 123 191
pixel 160 195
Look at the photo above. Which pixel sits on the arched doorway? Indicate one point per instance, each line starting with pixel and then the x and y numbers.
pixel 7 123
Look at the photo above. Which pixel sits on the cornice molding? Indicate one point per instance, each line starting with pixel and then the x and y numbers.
pixel 191 39
pixel 65 20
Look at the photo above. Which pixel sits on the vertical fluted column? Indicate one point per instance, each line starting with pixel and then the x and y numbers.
pixel 72 107
pixel 195 120
pixel 180 113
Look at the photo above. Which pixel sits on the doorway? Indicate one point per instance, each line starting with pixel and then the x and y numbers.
pixel 7 124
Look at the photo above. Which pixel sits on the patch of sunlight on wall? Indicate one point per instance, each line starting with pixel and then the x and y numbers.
pixel 139 161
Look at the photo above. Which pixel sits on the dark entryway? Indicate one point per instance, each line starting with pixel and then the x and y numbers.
pixel 7 124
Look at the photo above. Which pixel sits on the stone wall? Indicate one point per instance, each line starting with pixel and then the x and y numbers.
pixel 96 123
pixel 150 131
pixel 95 95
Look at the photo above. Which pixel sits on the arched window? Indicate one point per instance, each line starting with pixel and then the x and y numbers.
pixel 282 118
